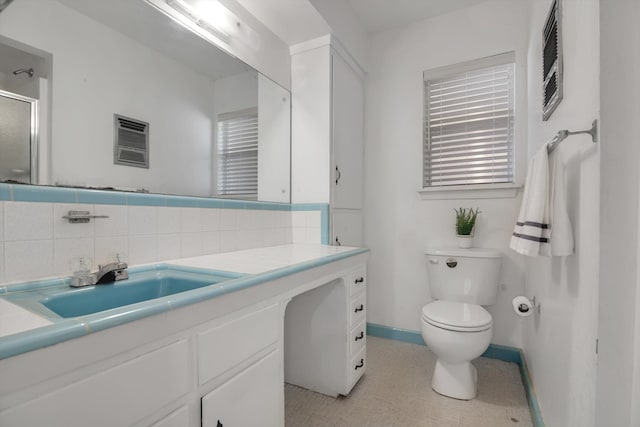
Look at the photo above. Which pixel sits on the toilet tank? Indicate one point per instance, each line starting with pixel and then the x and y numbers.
pixel 464 275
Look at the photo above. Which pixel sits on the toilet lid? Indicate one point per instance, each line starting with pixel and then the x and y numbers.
pixel 457 316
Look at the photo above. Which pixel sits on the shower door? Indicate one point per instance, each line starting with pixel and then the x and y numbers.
pixel 18 138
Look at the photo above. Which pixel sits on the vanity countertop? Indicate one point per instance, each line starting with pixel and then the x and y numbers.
pixel 22 330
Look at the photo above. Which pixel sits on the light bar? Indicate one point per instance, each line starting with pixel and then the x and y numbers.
pixel 187 10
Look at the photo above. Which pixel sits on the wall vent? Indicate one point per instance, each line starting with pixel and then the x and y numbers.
pixel 131 142
pixel 552 60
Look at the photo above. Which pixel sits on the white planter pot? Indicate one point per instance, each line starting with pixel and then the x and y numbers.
pixel 465 241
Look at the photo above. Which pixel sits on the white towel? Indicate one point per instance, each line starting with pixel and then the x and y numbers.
pixel 543 226
pixel 561 234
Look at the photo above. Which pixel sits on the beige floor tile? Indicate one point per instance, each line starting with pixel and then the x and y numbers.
pixel 396 392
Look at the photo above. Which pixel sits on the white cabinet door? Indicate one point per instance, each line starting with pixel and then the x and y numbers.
pixel 346 227
pixel 119 396
pixel 254 397
pixel 347 135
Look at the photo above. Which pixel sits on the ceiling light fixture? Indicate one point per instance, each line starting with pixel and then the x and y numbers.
pixel 207 15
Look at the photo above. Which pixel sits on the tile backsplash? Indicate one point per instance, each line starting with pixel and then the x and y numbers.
pixel 36 242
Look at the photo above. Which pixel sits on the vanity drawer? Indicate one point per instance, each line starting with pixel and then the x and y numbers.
pixel 357 280
pixel 358 338
pixel 357 367
pixel 358 309
pixel 227 345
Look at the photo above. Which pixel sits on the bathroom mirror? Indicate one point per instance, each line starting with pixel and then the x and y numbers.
pixel 129 99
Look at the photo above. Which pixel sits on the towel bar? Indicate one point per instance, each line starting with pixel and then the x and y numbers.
pixel 563 134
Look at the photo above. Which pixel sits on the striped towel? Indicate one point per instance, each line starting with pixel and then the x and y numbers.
pixel 532 231
pixel 543 226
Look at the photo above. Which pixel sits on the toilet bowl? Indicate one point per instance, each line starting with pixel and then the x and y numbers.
pixel 456 333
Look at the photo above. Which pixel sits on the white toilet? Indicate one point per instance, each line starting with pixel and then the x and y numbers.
pixel 456 327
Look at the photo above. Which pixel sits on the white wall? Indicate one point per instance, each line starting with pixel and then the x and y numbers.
pixel 618 380
pixel 294 21
pixel 98 72
pixel 398 223
pixel 274 142
pixel 560 343
pixel 346 27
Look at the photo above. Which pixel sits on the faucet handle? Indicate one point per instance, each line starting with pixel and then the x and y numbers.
pixel 80 265
pixel 82 275
pixel 117 257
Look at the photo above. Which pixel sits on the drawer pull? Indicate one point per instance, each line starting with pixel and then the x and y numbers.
pixel 361 364
pixel 361 336
pixel 359 308
pixel 360 280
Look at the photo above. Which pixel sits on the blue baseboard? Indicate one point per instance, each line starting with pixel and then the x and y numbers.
pixel 394 333
pixel 495 351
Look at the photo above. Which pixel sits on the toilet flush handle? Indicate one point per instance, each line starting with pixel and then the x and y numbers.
pixel 433 261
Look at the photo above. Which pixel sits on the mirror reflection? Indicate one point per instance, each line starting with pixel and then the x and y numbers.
pixel 118 95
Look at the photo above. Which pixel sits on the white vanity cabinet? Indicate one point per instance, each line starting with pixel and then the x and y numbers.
pixel 105 399
pixel 325 335
pixel 347 154
pixel 328 134
pixel 218 362
pixel 347 124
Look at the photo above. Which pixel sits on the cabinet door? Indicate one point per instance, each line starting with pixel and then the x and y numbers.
pixel 118 396
pixel 347 135
pixel 346 227
pixel 254 397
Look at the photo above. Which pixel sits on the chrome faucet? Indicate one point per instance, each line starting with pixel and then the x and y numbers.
pixel 112 272
pixel 108 273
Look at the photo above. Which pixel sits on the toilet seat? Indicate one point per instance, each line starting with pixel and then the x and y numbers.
pixel 457 316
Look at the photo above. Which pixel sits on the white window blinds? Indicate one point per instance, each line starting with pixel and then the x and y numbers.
pixel 469 123
pixel 238 154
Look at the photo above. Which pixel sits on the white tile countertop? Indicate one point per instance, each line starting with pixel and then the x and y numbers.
pixel 14 319
pixel 261 260
pixel 22 330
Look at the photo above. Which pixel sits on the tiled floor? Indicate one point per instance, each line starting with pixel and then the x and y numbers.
pixel 396 392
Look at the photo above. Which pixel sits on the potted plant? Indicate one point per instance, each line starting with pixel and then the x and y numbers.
pixel 465 225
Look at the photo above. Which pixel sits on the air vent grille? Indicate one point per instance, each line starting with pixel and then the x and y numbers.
pixel 132 125
pixel 552 60
pixel 131 142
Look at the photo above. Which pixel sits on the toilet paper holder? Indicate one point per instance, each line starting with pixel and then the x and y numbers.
pixel 524 308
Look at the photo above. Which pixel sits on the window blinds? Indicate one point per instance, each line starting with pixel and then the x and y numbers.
pixel 238 154
pixel 469 121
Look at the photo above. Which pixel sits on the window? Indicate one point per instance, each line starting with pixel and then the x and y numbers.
pixel 469 123
pixel 238 154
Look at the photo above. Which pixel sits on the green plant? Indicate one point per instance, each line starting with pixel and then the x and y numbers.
pixel 466 220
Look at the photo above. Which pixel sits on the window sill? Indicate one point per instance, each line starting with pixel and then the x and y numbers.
pixel 480 191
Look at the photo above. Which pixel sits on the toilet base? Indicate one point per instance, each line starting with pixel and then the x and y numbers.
pixel 457 380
